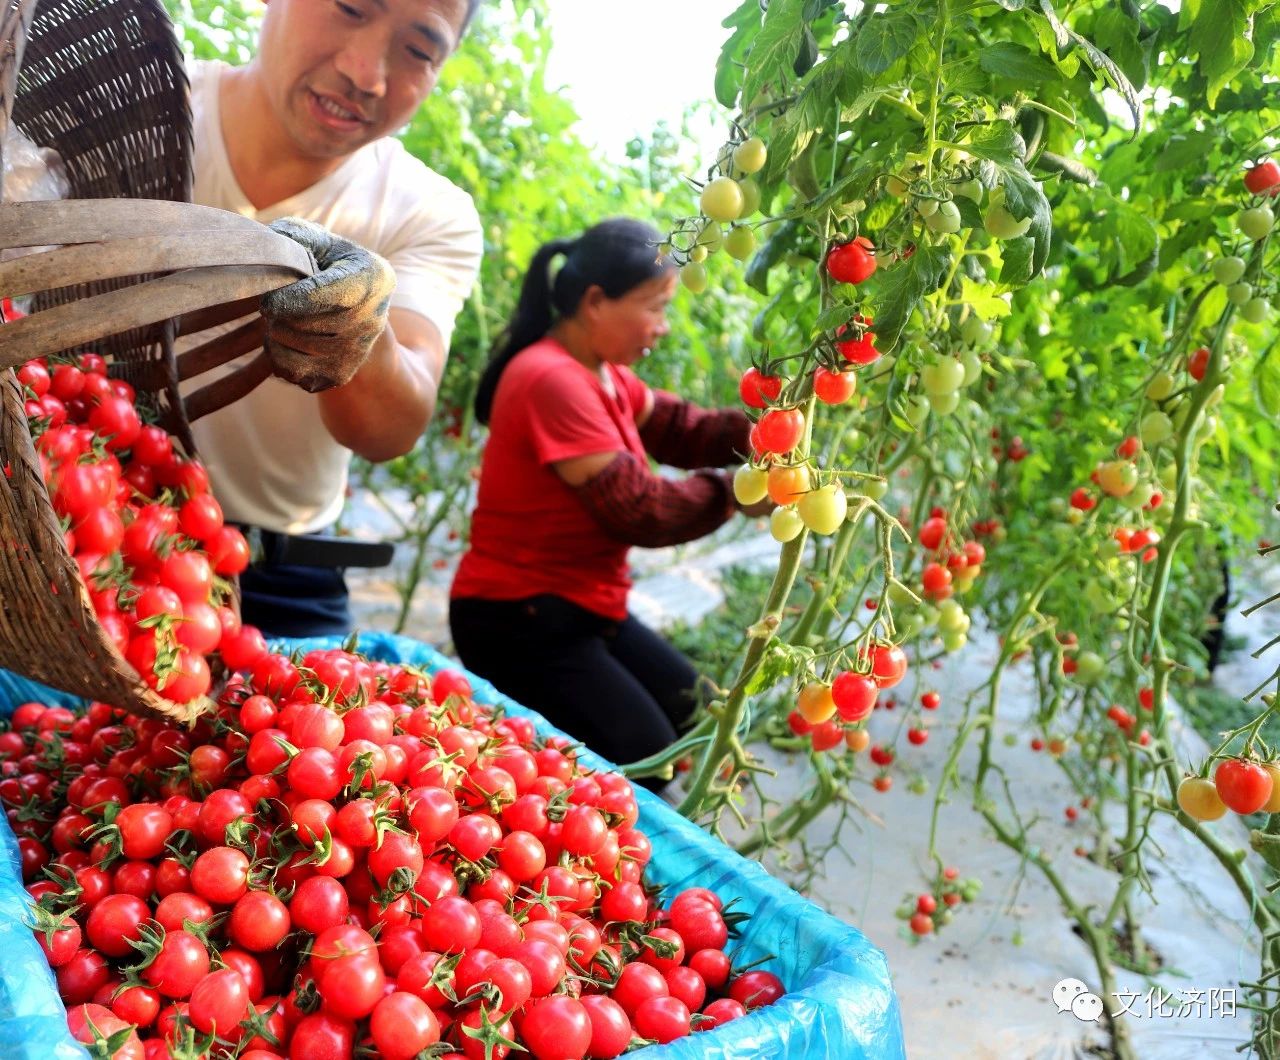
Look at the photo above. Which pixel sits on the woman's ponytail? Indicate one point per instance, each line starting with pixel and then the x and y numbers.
pixel 531 321
pixel 616 255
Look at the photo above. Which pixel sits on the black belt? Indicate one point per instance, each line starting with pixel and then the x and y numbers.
pixel 271 548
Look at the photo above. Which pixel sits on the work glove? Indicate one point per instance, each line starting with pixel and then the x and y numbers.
pixel 321 329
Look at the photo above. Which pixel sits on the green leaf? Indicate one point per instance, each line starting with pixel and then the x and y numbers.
pixel 1061 35
pixel 1110 71
pixel 983 298
pixel 970 212
pixel 776 46
pixel 901 288
pixel 776 665
pixel 744 22
pixel 884 40
pixel 1135 235
pixel 1220 35
pixel 833 316
pixel 1185 150
pixel 1018 255
pixel 1024 197
pixel 1266 382
pixel 1116 33
pixel 998 141
pixel 1007 59
pixel 849 186
pixel 864 101
pixel 790 136
pixel 769 254
pixel 808 54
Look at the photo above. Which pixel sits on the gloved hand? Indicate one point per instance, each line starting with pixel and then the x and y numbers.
pixel 320 330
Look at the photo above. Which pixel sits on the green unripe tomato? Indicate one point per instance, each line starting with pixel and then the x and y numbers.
pixel 1138 496
pixel 896 186
pixel 750 484
pixel 1089 667
pixel 953 642
pixel 740 243
pixel 698 254
pixel 916 408
pixel 976 331
pixel 1161 386
pixel 710 237
pixel 722 199
pixel 919 786
pixel 944 404
pixel 785 524
pixel 1228 270
pixel 750 155
pixel 750 197
pixel 1010 739
pixel 1257 222
pixel 823 510
pixel 1255 310
pixel 944 220
pixel 1057 507
pixel 1239 293
pixel 899 596
pixel 951 617
pixel 1168 476
pixel 926 207
pixel 1074 517
pixel 1155 429
pixel 911 625
pixel 875 488
pixel 972 368
pixel 968 189
pixel 943 376
pixel 999 222
pixel 694 276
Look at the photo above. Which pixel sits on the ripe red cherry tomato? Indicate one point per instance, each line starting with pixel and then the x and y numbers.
pixel 757 389
pixel 852 262
pixel 1264 178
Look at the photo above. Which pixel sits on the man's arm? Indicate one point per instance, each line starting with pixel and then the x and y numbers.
pixel 388 403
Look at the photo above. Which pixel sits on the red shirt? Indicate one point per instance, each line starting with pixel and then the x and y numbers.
pixel 529 533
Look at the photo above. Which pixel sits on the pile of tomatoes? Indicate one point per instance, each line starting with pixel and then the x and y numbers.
pixel 345 857
pixel 141 524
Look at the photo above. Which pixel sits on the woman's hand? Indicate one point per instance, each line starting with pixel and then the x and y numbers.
pixel 755 511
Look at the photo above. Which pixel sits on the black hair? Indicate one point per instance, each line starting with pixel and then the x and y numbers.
pixel 617 256
pixel 472 7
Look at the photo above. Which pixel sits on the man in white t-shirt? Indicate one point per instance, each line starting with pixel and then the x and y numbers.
pixel 303 131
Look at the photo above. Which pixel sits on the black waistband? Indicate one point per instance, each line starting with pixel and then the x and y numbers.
pixel 271 548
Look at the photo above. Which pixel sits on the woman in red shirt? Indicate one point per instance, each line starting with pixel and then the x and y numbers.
pixel 539 603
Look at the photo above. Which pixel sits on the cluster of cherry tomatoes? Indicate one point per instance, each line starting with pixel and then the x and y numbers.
pixel 347 856
pixel 140 522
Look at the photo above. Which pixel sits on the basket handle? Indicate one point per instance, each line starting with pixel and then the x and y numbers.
pixel 89 319
pixel 219 257
pixel 64 221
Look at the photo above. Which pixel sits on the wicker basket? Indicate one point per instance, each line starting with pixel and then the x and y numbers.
pixel 102 83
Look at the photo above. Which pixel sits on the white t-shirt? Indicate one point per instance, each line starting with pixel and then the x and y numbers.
pixel 271 460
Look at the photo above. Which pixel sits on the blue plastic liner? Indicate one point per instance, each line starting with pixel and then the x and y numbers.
pixel 840 1003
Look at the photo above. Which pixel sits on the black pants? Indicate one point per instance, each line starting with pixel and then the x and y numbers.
pixel 616 686
pixel 289 601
